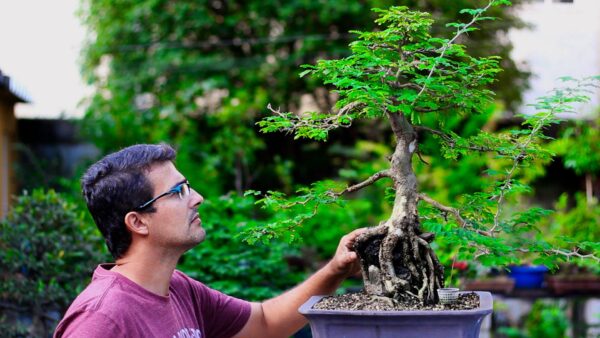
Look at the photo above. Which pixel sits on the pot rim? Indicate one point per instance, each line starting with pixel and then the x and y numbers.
pixel 485 307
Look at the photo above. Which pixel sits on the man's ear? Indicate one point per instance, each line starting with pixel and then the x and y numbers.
pixel 136 223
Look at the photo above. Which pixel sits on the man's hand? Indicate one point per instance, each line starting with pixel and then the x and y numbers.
pixel 345 262
pixel 279 316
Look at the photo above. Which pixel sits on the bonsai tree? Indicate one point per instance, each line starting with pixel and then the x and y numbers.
pixel 399 75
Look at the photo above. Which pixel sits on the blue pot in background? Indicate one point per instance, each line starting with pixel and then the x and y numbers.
pixel 528 277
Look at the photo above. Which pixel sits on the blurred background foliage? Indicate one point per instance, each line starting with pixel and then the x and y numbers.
pixel 47 254
pixel 199 74
pixel 547 319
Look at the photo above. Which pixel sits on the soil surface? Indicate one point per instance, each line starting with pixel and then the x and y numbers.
pixel 362 301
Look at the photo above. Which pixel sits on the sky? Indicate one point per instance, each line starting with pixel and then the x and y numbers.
pixel 40 43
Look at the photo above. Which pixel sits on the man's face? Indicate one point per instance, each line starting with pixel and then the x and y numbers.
pixel 176 222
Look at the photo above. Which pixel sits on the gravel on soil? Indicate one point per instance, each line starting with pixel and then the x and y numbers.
pixel 362 301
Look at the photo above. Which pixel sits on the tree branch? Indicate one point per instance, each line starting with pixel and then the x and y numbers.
pixel 575 253
pixel 374 178
pixel 446 107
pixel 451 142
pixel 398 85
pixel 519 158
pixel 567 253
pixel 326 124
pixel 455 212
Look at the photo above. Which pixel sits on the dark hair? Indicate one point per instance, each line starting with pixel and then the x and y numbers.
pixel 116 185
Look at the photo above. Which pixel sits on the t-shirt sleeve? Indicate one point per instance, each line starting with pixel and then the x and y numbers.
pixel 90 324
pixel 226 315
pixel 223 315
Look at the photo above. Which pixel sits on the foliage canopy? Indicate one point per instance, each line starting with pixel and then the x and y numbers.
pixel 401 70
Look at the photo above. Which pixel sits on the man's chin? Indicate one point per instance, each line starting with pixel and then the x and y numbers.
pixel 202 235
pixel 196 239
pixel 199 236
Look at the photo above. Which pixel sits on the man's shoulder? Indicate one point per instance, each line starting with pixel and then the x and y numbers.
pixel 96 294
pixel 181 281
pixel 92 312
pixel 107 294
pixel 187 288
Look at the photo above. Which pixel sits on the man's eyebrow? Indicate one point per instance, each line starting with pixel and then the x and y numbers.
pixel 178 183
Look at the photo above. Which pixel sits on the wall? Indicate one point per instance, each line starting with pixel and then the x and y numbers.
pixel 7 155
pixel 564 41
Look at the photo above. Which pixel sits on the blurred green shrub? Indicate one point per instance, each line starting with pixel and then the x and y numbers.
pixel 546 320
pixel 580 146
pixel 575 224
pixel 224 262
pixel 47 256
pixel 579 222
pixel 323 232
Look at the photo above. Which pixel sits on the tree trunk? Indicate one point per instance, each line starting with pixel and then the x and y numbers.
pixel 396 258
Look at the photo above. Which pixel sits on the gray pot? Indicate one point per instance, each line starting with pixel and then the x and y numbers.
pixel 394 324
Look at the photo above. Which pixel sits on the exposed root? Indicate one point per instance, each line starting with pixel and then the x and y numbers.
pixel 397 261
pixel 408 261
pixel 371 273
pixel 374 284
pixel 390 279
pixel 431 284
pixel 412 294
pixel 389 301
pixel 423 287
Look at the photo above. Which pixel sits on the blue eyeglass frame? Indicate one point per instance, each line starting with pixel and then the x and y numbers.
pixel 175 190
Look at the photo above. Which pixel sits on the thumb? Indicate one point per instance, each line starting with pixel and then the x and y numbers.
pixel 350 257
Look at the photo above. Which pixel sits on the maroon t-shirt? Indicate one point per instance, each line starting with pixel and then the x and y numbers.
pixel 114 306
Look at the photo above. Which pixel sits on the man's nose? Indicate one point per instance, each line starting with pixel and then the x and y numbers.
pixel 197 198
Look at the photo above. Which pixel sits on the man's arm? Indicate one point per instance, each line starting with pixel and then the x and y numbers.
pixel 279 316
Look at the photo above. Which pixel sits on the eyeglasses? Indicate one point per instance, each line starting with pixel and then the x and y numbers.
pixel 182 189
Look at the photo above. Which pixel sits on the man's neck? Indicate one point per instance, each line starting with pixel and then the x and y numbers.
pixel 150 270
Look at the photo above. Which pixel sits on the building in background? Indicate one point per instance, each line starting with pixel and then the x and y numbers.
pixel 50 150
pixel 10 95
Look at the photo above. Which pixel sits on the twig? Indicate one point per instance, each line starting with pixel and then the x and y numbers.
pixel 447 45
pixel 517 160
pixel 569 254
pixel 326 124
pixel 451 142
pixel 374 178
pixel 455 212
pixel 576 254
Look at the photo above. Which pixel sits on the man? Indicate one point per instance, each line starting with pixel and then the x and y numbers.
pixel 148 215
